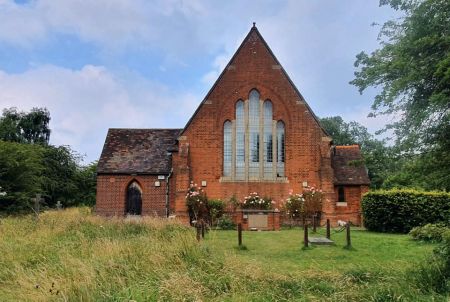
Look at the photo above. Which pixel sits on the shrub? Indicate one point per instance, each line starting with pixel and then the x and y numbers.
pixel 434 273
pixel 399 211
pixel 216 208
pixel 197 203
pixel 429 232
pixel 254 201
pixel 304 205
pixel 226 223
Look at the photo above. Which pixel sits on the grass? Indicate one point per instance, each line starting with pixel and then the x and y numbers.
pixel 72 255
pixel 371 251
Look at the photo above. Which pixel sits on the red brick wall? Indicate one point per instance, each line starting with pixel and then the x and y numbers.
pixel 351 209
pixel 307 147
pixel 111 194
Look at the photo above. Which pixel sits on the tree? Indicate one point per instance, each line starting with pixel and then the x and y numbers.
pixel 21 127
pixel 20 175
pixel 412 70
pixel 60 173
pixel 86 182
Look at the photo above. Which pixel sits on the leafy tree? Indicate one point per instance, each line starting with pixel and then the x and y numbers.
pixel 86 182
pixel 20 175
pixel 21 127
pixel 412 70
pixel 59 175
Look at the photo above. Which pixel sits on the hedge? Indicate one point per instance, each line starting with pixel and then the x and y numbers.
pixel 398 211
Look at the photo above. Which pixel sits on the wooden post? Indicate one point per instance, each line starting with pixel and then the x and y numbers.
pixel 198 227
pixel 203 228
pixel 239 227
pixel 328 228
pixel 314 223
pixel 305 235
pixel 347 227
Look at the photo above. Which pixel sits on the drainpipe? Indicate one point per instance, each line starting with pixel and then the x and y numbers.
pixel 167 192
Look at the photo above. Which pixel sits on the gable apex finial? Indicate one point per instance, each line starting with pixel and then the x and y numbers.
pixel 254 25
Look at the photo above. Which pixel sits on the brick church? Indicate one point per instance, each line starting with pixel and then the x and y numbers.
pixel 253 132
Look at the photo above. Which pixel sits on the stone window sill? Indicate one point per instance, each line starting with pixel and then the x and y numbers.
pixel 277 180
pixel 341 204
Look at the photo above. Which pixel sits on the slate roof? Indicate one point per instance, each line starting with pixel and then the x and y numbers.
pixel 349 169
pixel 138 151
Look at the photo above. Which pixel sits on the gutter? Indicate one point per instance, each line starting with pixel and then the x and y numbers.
pixel 167 192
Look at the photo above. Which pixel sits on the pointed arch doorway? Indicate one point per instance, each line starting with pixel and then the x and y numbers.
pixel 133 204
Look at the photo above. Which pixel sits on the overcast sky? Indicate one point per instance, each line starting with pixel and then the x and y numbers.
pixel 148 64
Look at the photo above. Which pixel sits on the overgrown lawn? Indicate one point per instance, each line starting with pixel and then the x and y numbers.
pixel 72 255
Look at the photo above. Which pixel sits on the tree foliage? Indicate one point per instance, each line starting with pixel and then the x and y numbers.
pixel 412 70
pixel 21 127
pixel 29 165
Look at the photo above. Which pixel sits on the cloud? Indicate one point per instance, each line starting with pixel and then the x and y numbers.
pixel 85 103
pixel 175 26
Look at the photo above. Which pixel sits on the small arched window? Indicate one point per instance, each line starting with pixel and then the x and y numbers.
pixel 280 149
pixel 227 148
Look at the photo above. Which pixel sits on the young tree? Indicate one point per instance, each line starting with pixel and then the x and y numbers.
pixel 412 68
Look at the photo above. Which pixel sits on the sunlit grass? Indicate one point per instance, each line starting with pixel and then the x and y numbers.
pixel 73 255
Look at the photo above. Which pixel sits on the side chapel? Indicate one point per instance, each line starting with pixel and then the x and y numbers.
pixel 253 132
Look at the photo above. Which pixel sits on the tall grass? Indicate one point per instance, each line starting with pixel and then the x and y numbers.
pixel 72 255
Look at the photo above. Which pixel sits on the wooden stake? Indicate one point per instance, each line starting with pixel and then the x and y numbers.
pixel 239 234
pixel 203 229
pixel 198 227
pixel 328 229
pixel 305 235
pixel 347 227
pixel 314 223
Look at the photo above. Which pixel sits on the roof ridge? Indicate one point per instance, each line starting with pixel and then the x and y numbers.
pixel 348 146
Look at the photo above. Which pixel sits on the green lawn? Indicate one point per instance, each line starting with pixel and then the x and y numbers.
pixel 282 251
pixel 72 255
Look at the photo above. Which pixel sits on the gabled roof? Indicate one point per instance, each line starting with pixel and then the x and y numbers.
pixel 254 29
pixel 138 151
pixel 348 165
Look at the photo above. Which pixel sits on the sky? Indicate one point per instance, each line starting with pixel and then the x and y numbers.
pixel 148 64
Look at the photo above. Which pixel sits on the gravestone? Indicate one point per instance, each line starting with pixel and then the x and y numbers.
pixel 37 205
pixel 320 241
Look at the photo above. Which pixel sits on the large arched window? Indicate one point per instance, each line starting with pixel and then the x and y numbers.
pixel 134 199
pixel 253 143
